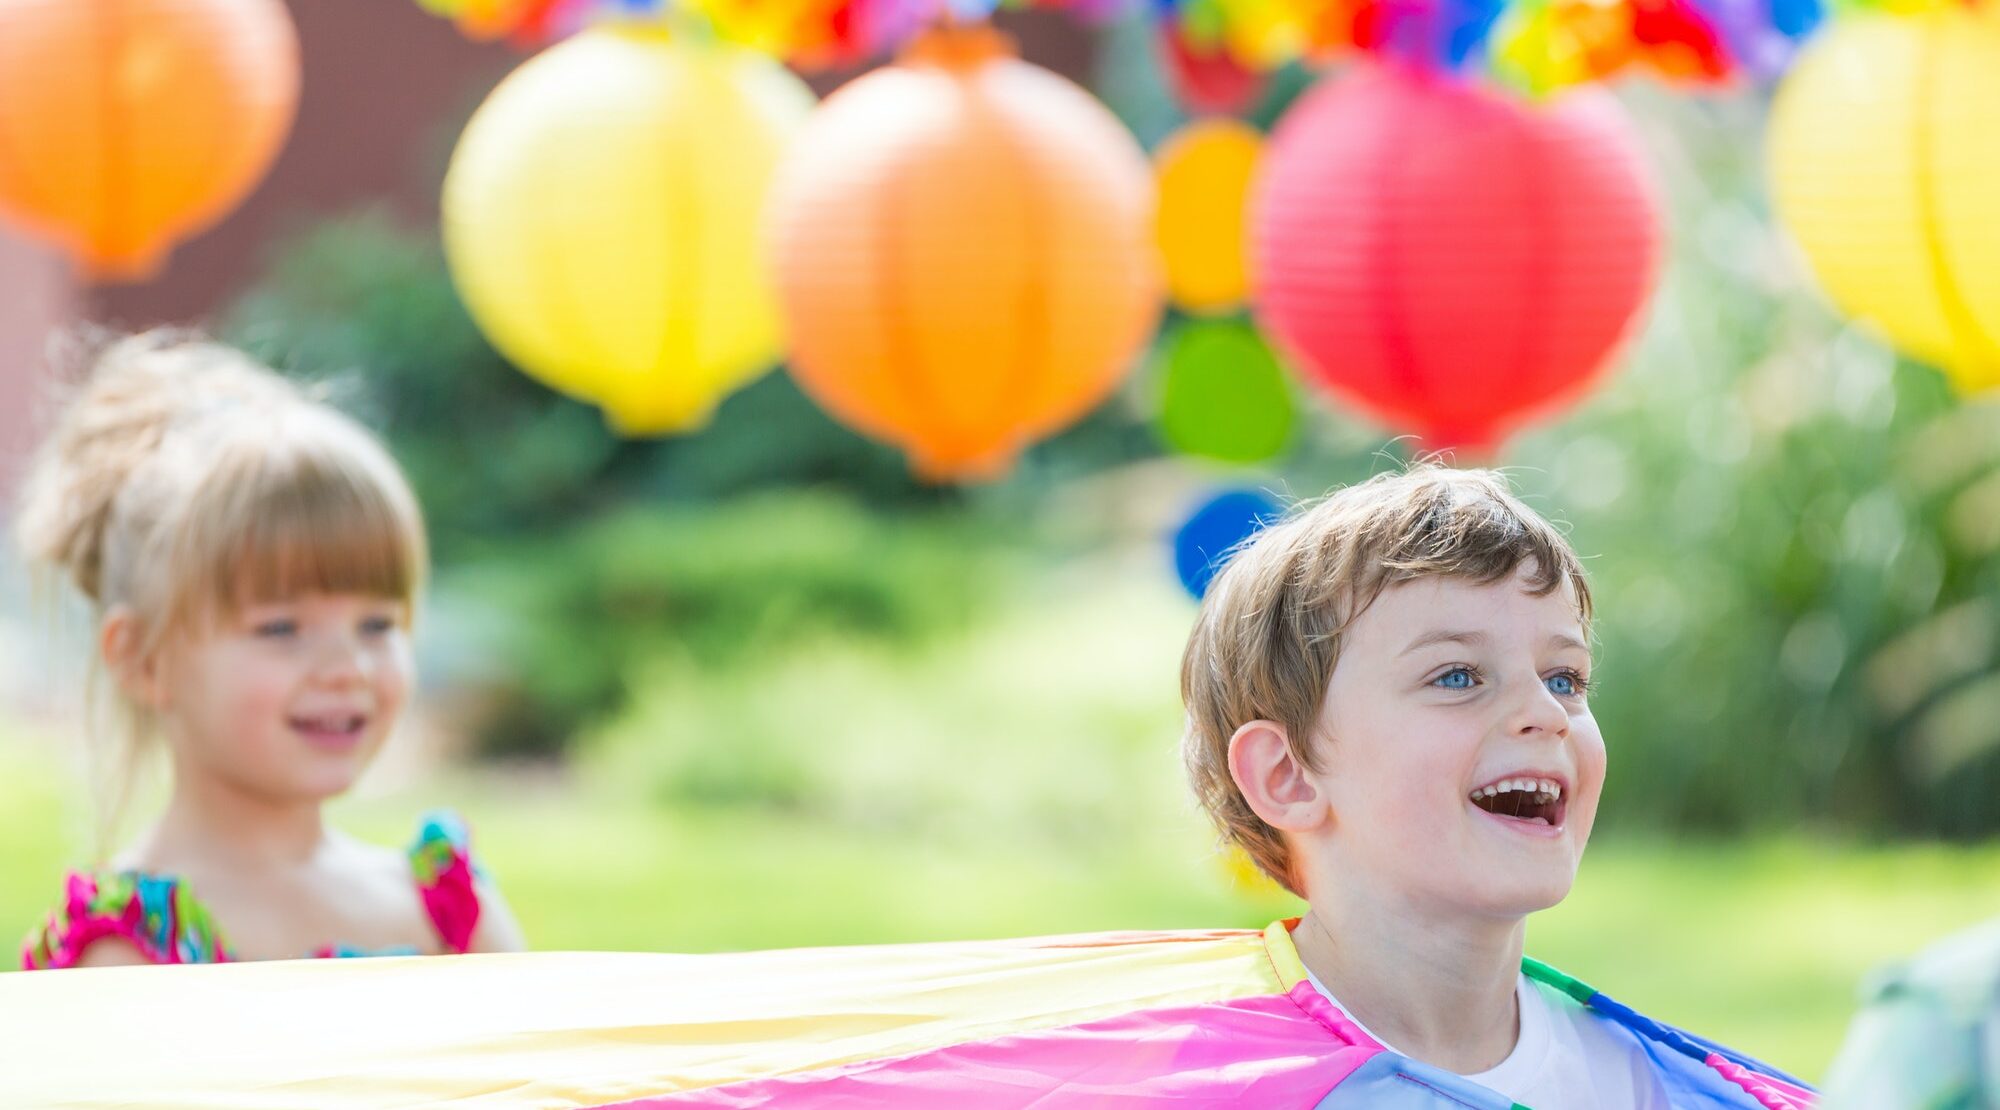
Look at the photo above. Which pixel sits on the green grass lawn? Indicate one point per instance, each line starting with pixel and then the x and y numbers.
pixel 1760 945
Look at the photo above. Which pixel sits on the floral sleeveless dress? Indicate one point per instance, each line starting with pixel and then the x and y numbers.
pixel 159 916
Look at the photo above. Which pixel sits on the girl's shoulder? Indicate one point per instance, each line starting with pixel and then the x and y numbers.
pixel 155 914
pixel 438 862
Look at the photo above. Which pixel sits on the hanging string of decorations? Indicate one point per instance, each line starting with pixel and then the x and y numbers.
pixel 1456 314
pixel 1534 44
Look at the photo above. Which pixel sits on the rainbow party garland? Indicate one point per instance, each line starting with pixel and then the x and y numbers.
pixel 1540 45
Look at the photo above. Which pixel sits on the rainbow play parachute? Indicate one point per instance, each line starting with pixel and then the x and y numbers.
pixel 1134 1021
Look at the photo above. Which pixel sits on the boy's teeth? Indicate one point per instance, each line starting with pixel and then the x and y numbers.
pixel 1536 786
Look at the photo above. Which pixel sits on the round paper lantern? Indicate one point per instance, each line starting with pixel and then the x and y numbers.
pixel 602 218
pixel 1224 397
pixel 1214 532
pixel 963 253
pixel 1446 259
pixel 1207 78
pixel 1204 178
pixel 127 126
pixel 1884 154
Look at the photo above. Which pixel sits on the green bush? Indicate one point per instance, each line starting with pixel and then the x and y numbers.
pixel 1054 721
pixel 565 622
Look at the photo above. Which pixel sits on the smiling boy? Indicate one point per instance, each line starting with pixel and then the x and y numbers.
pixel 1388 710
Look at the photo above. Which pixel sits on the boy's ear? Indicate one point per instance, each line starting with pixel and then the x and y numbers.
pixel 121 643
pixel 1273 781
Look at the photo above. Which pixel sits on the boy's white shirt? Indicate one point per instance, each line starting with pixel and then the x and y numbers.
pixel 1565 1058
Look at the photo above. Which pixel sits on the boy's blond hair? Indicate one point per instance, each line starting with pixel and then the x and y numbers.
pixel 183 480
pixel 1271 626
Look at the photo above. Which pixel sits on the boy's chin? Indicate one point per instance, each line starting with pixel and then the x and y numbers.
pixel 1524 891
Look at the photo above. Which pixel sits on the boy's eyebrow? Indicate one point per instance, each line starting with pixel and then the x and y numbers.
pixel 1446 636
pixel 1475 639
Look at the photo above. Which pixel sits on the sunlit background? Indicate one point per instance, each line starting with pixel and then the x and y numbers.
pixel 763 682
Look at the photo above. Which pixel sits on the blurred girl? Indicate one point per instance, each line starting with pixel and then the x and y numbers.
pixel 252 558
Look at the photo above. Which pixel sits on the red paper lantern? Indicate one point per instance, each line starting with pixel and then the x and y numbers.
pixel 1206 78
pixel 1447 259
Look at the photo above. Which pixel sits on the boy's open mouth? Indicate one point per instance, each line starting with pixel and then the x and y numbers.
pixel 1535 801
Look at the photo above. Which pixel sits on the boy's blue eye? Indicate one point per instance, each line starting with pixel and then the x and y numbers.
pixel 377 626
pixel 1458 678
pixel 277 629
pixel 1566 685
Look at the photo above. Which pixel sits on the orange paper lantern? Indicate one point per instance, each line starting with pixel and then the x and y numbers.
pixel 128 125
pixel 963 254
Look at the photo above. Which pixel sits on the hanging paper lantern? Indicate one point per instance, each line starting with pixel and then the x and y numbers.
pixel 127 126
pixel 1448 260
pixel 1214 532
pixel 1885 150
pixel 602 219
pixel 963 256
pixel 1205 77
pixel 1204 177
pixel 1224 397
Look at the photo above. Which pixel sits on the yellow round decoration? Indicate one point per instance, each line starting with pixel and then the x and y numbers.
pixel 602 217
pixel 1884 153
pixel 1204 173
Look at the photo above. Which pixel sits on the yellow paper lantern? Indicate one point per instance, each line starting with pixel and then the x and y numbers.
pixel 602 219
pixel 1884 153
pixel 1204 174
pixel 127 126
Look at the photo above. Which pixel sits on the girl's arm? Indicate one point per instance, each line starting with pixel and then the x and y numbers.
pixel 497 930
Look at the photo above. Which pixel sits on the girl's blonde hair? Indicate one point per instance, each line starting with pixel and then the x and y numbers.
pixel 183 480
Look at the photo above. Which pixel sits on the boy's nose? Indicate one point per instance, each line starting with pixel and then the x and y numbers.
pixel 1540 711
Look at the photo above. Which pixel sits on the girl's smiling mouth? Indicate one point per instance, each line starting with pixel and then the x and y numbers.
pixel 332 731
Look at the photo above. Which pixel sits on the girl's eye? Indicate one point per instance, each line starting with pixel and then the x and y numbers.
pixel 1567 684
pixel 377 625
pixel 277 629
pixel 1457 678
